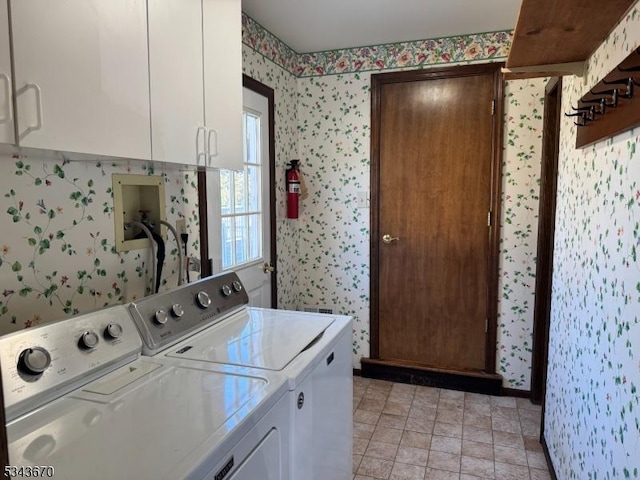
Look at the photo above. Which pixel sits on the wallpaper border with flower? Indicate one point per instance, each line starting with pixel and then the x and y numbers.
pixel 490 46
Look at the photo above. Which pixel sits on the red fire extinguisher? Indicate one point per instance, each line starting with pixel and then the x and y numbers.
pixel 293 189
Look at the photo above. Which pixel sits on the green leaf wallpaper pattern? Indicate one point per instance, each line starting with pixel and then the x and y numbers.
pixel 57 253
pixel 592 423
pixel 324 121
pixel 523 108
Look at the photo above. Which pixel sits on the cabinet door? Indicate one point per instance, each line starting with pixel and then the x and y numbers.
pixel 81 76
pixel 6 107
pixel 223 82
pixel 176 80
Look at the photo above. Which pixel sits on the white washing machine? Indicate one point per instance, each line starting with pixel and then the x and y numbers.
pixel 81 403
pixel 208 323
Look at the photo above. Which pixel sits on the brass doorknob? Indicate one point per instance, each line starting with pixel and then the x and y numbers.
pixel 386 238
pixel 268 268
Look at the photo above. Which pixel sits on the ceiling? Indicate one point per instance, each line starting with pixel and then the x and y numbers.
pixel 317 25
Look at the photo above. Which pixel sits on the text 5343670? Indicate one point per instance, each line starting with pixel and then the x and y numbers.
pixel 29 471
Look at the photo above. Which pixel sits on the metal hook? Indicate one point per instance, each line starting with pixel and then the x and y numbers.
pixel 582 115
pixel 601 105
pixel 614 97
pixel 629 82
pixel 589 111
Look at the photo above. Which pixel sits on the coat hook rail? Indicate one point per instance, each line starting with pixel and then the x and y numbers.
pixel 610 107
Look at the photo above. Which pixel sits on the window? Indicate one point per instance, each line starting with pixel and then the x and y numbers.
pixel 241 205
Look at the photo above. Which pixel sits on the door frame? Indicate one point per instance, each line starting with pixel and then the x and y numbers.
pixel 206 267
pixel 546 236
pixel 377 81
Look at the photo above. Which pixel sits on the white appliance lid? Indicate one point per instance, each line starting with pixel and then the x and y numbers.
pixel 261 338
pixel 142 430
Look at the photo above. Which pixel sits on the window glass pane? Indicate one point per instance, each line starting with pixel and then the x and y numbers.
pixel 255 239
pixel 241 243
pixel 241 202
pixel 225 192
pixel 252 127
pixel 239 192
pixel 227 243
pixel 253 174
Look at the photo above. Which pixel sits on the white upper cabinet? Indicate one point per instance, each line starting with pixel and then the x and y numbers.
pixel 223 83
pixel 6 106
pixel 176 81
pixel 81 76
pixel 195 65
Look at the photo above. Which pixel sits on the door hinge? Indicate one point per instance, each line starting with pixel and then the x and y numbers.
pixel 489 218
pixel 486 325
pixel 493 107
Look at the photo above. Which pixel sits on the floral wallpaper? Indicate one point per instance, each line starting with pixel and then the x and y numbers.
pixel 417 54
pixel 57 253
pixel 523 108
pixel 592 420
pixel 259 67
pixel 334 232
pixel 322 257
pixel 327 249
pixel 260 40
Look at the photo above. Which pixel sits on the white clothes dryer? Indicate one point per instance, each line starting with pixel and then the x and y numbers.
pixel 209 323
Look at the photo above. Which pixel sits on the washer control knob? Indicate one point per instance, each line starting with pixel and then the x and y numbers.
pixel 226 290
pixel 88 340
pixel 237 286
pixel 113 331
pixel 177 310
pixel 203 299
pixel 34 361
pixel 161 317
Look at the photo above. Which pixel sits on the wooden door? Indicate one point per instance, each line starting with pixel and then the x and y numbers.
pixel 435 170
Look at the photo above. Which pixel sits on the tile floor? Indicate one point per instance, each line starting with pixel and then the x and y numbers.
pixel 408 432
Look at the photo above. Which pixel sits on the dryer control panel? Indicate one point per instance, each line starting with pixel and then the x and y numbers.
pixel 44 362
pixel 166 318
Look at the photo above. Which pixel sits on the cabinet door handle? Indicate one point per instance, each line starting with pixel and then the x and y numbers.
pixel 7 98
pixel 200 152
pixel 211 155
pixel 39 120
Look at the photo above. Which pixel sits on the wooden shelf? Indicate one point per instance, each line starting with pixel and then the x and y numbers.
pixel 552 32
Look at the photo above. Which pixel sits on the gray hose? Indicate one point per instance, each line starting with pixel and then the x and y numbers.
pixel 147 232
pixel 180 254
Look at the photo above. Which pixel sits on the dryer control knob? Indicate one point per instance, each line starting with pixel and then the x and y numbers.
pixel 113 331
pixel 33 361
pixel 237 286
pixel 203 299
pixel 161 317
pixel 177 310
pixel 88 340
pixel 226 290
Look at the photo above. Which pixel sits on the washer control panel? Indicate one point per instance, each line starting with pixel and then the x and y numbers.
pixel 165 318
pixel 46 361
